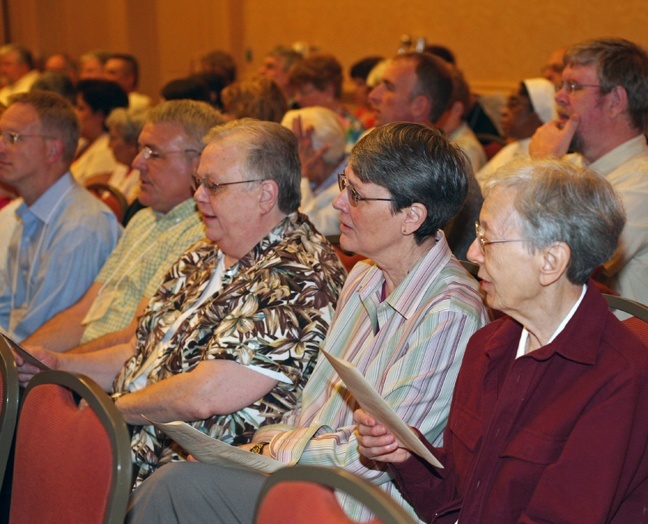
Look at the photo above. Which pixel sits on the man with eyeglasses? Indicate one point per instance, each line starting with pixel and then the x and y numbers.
pixel 62 234
pixel 169 151
pixel 232 333
pixel 603 115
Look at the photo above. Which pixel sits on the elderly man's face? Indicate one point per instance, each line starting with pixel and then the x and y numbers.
pixel 587 102
pixel 231 212
pixel 508 271
pixel 165 177
pixel 22 163
pixel 392 98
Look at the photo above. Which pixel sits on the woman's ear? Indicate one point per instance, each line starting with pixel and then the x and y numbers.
pixel 413 218
pixel 555 263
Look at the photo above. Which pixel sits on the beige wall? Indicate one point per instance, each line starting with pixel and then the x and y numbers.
pixel 497 42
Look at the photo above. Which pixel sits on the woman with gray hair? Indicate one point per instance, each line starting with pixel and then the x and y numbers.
pixel 549 420
pixel 124 127
pixel 321 141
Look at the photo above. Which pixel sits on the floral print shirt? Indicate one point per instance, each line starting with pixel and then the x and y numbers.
pixel 272 312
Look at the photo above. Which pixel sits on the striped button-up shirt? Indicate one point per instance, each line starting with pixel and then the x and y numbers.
pixel 409 346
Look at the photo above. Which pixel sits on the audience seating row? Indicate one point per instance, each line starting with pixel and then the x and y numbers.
pixel 72 454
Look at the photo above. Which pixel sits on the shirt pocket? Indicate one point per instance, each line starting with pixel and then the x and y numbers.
pixel 533 447
pixel 466 430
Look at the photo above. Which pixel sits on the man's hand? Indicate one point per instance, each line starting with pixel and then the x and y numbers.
pixel 27 371
pixel 375 442
pixel 553 138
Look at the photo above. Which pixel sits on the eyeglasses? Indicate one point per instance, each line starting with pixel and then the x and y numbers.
pixel 11 138
pixel 212 187
pixel 354 196
pixel 571 87
pixel 483 242
pixel 151 154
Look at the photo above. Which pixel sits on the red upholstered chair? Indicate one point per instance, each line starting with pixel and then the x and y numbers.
pixel 72 461
pixel 638 322
pixel 9 406
pixel 305 494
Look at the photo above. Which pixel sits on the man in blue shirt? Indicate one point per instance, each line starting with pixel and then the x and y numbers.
pixel 63 234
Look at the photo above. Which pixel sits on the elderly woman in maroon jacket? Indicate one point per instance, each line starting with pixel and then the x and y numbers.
pixel 549 420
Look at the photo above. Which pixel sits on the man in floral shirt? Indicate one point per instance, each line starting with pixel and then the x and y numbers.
pixel 228 340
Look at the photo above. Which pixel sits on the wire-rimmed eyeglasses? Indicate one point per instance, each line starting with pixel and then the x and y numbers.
pixel 212 187
pixel 354 196
pixel 12 138
pixel 570 86
pixel 152 154
pixel 483 242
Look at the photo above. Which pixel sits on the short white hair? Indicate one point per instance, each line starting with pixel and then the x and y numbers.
pixel 327 129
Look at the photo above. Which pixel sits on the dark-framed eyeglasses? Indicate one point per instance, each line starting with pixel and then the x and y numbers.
pixel 152 154
pixel 212 187
pixel 12 138
pixel 570 86
pixel 354 196
pixel 483 242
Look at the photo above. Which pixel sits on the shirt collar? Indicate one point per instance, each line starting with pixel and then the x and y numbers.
pixel 42 208
pixel 620 154
pixel 180 211
pixel 405 299
pixel 525 333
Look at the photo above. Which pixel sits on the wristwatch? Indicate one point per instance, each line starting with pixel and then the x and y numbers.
pixel 258 448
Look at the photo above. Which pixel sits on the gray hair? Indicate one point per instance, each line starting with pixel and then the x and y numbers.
pixel 561 202
pixel 618 62
pixel 196 118
pixel 56 116
pixel 415 163
pixel 128 123
pixel 271 153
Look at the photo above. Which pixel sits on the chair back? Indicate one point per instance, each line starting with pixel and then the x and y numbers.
pixel 305 494
pixel 638 322
pixel 9 407
pixel 111 196
pixel 72 460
